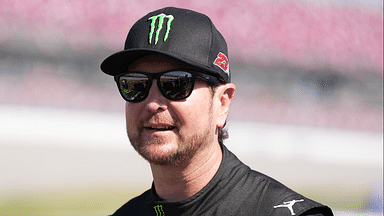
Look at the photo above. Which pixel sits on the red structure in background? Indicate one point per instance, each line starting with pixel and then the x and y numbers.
pixel 304 35
pixel 348 37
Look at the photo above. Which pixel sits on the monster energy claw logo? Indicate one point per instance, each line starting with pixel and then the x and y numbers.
pixel 159 27
pixel 159 210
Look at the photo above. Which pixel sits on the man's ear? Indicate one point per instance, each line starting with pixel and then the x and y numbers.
pixel 225 94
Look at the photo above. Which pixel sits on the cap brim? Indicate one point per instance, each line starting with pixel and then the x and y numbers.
pixel 118 63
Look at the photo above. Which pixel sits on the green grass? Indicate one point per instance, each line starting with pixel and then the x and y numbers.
pixel 104 201
pixel 59 202
pixel 352 199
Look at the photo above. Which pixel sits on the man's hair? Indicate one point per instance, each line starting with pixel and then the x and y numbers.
pixel 222 131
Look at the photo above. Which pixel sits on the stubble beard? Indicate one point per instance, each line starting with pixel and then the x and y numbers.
pixel 187 146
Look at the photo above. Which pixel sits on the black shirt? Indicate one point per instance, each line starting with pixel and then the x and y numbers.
pixel 234 190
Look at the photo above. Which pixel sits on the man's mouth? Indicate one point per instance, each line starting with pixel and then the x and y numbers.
pixel 165 128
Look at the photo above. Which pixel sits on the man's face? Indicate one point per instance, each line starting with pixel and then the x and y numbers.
pixel 169 132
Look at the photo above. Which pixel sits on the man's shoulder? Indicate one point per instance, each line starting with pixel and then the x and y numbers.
pixel 249 192
pixel 136 206
pixel 258 194
pixel 274 198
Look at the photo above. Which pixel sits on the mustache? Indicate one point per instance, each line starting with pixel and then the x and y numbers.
pixel 159 119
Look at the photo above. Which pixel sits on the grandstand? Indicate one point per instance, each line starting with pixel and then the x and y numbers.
pixel 293 61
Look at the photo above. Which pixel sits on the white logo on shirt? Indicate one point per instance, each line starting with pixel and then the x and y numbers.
pixel 289 205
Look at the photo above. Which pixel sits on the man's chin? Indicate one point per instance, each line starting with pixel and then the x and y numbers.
pixel 171 159
pixel 164 154
pixel 168 151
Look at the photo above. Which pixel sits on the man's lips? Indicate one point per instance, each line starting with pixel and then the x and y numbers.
pixel 159 127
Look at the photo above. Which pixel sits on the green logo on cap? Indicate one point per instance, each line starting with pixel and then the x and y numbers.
pixel 160 26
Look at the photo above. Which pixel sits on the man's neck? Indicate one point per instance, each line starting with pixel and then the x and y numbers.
pixel 183 181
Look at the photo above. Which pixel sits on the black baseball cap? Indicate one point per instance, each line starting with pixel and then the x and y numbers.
pixel 182 34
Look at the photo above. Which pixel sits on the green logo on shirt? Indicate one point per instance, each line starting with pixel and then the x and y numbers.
pixel 159 210
pixel 159 27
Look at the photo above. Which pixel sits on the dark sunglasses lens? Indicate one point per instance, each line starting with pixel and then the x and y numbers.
pixel 134 86
pixel 176 85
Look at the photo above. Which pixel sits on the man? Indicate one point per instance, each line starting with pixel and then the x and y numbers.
pixel 174 75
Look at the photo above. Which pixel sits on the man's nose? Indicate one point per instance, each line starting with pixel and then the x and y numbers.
pixel 155 99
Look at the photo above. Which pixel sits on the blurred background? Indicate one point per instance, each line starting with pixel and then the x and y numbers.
pixel 308 108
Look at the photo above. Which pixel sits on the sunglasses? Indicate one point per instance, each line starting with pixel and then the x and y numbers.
pixel 173 84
